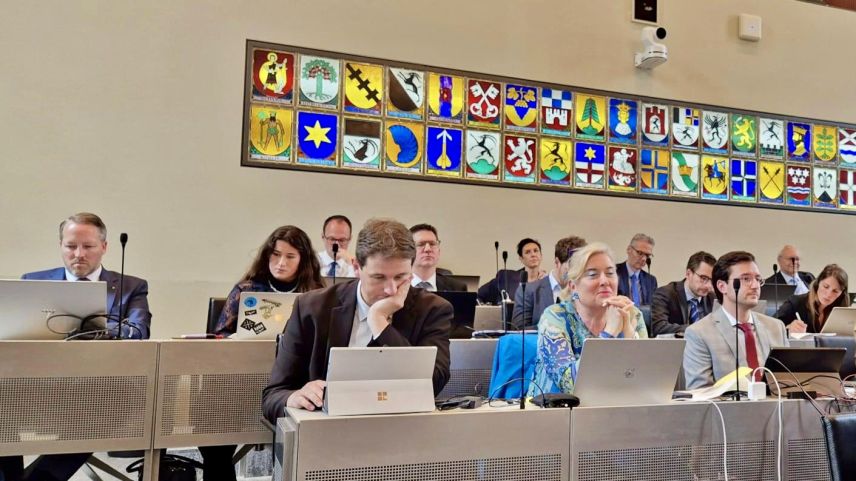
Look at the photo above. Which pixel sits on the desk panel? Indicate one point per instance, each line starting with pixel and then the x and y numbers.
pixel 70 397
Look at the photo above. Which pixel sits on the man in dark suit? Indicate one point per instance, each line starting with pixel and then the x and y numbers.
pixel 83 241
pixel 425 272
pixel 789 271
pixel 633 282
pixel 681 303
pixel 530 303
pixel 379 308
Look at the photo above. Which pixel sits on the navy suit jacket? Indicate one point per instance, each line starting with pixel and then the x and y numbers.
pixel 135 303
pixel 647 284
pixel 529 306
pixel 670 309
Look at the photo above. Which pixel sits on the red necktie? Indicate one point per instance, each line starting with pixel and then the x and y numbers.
pixel 751 351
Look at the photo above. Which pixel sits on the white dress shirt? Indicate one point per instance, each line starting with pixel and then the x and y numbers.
pixel 94 276
pixel 795 281
pixel 554 285
pixel 343 268
pixel 361 333
pixel 431 280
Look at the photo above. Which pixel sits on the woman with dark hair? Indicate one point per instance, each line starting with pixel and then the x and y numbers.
pixel 285 262
pixel 808 312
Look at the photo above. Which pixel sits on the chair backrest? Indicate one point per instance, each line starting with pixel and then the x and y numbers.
pixel 215 307
pixel 839 430
pixel 848 365
pixel 646 315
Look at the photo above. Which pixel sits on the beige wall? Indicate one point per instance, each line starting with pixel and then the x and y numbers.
pixel 133 110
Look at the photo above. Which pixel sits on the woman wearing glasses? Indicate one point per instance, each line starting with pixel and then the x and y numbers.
pixel 808 312
pixel 593 310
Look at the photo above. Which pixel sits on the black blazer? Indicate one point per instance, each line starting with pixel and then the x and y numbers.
pixel 445 283
pixel 797 304
pixel 323 319
pixel 647 284
pixel 778 278
pixel 670 310
pixel 489 292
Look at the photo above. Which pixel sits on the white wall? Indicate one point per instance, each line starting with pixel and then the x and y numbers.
pixel 133 110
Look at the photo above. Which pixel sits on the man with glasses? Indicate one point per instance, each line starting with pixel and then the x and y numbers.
pixel 425 273
pixel 336 230
pixel 710 342
pixel 681 303
pixel 789 271
pixel 633 282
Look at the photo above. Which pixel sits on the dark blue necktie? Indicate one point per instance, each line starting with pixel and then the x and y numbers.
pixel 695 312
pixel 634 289
pixel 332 270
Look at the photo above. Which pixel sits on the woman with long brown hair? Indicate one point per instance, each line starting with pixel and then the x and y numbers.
pixel 286 262
pixel 808 312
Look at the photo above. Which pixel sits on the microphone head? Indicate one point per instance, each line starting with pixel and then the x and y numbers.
pixel 335 248
pixel 496 245
pixel 648 262
pixel 123 238
pixel 736 284
pixel 504 256
pixel 524 277
pixel 775 269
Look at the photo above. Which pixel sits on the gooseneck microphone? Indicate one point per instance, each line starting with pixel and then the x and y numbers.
pixel 496 255
pixel 123 239
pixel 335 261
pixel 524 277
pixel 776 285
pixel 504 290
pixel 736 284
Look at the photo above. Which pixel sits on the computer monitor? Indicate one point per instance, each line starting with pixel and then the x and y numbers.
pixel 776 294
pixel 45 310
pixel 464 304
pixel 816 369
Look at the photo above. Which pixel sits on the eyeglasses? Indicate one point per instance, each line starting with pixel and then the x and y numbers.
pixel 337 241
pixel 640 253
pixel 704 279
pixel 424 244
pixel 747 279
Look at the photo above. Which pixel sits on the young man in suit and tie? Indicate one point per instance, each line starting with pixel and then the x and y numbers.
pixel 83 242
pixel 543 293
pixel 377 309
pixel 336 230
pixel 789 271
pixel 633 282
pixel 710 344
pixel 681 303
pixel 425 273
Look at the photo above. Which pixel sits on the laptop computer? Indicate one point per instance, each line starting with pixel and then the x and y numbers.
pixel 464 304
pixel 776 294
pixel 379 380
pixel 628 372
pixel 472 282
pixel 26 305
pixel 262 315
pixel 841 321
pixel 815 368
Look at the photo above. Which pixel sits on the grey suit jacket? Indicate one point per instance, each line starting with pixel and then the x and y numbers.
pixel 709 351
pixel 528 307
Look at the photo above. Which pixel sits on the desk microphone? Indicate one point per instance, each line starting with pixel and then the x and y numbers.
pixel 496 256
pixel 505 290
pixel 648 263
pixel 524 277
pixel 123 239
pixel 736 284
pixel 776 284
pixel 335 262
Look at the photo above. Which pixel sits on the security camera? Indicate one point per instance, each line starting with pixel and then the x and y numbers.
pixel 653 52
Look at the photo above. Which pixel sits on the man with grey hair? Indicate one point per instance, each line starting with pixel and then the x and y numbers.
pixel 633 282
pixel 377 309
pixel 789 271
